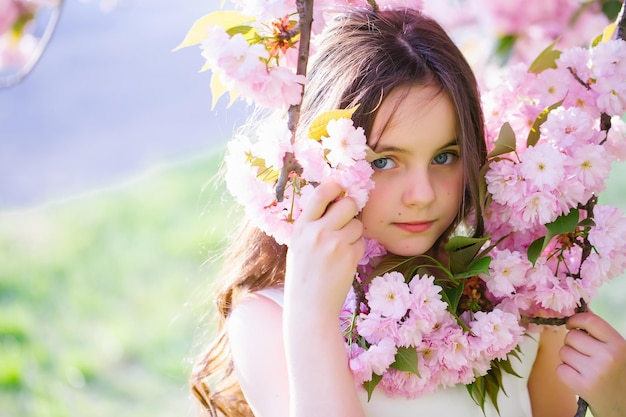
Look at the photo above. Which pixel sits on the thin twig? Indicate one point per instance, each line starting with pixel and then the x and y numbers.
pixel 290 164
pixel 605 125
pixel 621 23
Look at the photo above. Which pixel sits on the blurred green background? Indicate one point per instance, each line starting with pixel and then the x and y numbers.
pixel 101 296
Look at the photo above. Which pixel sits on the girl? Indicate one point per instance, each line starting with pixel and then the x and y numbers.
pixel 280 349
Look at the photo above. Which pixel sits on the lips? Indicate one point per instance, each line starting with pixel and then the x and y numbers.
pixel 414 227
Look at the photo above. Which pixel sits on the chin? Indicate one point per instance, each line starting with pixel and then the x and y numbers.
pixel 408 250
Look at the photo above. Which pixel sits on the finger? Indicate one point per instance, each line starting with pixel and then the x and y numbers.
pixel 318 201
pixel 340 212
pixel 569 376
pixel 582 341
pixel 573 358
pixel 354 231
pixel 594 325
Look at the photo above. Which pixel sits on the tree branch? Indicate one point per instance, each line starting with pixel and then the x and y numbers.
pixel 290 164
pixel 621 23
pixel 605 125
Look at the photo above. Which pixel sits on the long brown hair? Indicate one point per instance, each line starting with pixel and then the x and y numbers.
pixel 361 58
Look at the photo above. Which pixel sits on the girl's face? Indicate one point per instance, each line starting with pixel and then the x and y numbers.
pixel 419 174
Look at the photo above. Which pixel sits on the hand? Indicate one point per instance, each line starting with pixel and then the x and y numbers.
pixel 594 364
pixel 324 251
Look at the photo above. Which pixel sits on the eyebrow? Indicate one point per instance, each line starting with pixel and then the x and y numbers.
pixel 453 142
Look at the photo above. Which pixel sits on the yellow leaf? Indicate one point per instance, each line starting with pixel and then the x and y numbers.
pixel 317 130
pixel 218 89
pixel 609 31
pixel 546 59
pixel 226 19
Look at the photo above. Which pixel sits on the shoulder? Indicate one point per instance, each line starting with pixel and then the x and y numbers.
pixel 254 314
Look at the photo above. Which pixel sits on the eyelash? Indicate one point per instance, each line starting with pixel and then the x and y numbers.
pixel 451 156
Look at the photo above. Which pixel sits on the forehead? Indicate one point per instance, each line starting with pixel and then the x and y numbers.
pixel 415 111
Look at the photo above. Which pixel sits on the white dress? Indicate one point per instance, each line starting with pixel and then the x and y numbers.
pixel 454 401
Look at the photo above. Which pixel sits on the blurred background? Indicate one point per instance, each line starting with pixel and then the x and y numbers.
pixel 111 219
pixel 108 216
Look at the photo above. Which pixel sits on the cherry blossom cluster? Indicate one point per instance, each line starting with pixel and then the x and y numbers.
pixel 253 52
pixel 516 30
pixel 253 165
pixel 562 164
pixel 412 318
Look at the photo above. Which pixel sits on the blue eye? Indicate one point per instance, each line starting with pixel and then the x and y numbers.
pixel 444 158
pixel 383 163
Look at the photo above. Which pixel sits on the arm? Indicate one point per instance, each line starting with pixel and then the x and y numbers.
pixel 321 264
pixel 293 362
pixel 594 364
pixel 549 396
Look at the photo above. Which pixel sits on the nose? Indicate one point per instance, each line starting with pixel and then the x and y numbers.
pixel 419 189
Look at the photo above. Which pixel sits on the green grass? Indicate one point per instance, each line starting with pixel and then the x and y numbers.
pixel 101 296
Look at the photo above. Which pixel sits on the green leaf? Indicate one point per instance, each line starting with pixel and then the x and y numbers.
pixel 504 47
pixel 492 387
pixel 535 249
pixel 505 143
pixel 506 365
pixel 588 222
pixel 406 360
pixel 533 135
pixel 460 242
pixel 247 31
pixel 371 384
pixel 462 251
pixel 477 391
pixel 611 8
pixel 480 266
pixel 452 296
pixel 566 223
pixel 546 59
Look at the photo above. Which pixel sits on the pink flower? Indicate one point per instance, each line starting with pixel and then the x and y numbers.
pixel 538 207
pixel 590 164
pixel 381 355
pixel 274 140
pixel 611 95
pixel 267 9
pixel 345 143
pixel 389 295
pixel 542 165
pixel 426 302
pixel 279 88
pixel 236 58
pixel 499 332
pixel 608 59
pixel 616 138
pixel 609 233
pixel 9 12
pixel 507 271
pixel 504 182
pixel 549 86
pixel 374 327
pixel 570 127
